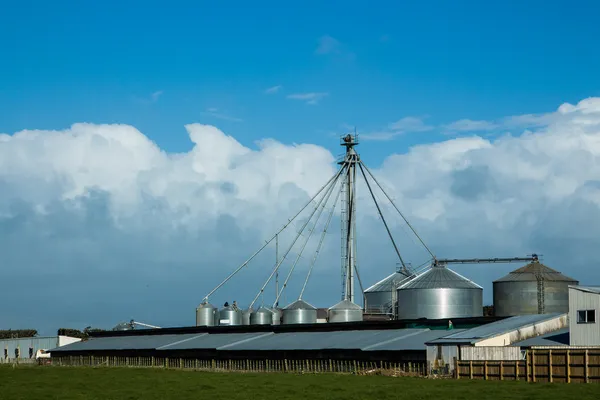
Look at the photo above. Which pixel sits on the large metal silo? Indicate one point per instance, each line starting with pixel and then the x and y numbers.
pixel 262 316
pixel 299 312
pixel 230 316
pixel 439 293
pixel 206 314
pixel 345 311
pixel 381 297
pixel 532 289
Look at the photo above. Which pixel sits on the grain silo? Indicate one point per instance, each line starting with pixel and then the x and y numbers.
pixel 262 316
pixel 206 314
pixel 532 289
pixel 230 316
pixel 381 297
pixel 345 311
pixel 299 312
pixel 439 293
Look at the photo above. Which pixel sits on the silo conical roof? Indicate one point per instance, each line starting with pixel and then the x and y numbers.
pixel 531 271
pixel 300 305
pixel 440 278
pixel 346 305
pixel 389 283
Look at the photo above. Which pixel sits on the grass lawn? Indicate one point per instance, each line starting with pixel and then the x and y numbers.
pixel 67 383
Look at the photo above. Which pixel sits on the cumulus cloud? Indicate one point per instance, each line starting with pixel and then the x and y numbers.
pixel 273 89
pixel 310 98
pixel 99 224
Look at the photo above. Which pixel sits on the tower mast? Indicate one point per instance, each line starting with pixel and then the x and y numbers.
pixel 349 212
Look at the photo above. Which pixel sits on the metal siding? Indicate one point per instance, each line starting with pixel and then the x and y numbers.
pixel 37 343
pixel 299 316
pixel 520 297
pixel 583 334
pixel 441 357
pixel 490 353
pixel 439 303
pixel 380 302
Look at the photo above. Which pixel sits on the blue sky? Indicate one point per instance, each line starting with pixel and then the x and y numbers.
pixel 69 62
pixel 99 209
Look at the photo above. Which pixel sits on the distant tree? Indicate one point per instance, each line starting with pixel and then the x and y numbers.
pixel 17 333
pixel 488 311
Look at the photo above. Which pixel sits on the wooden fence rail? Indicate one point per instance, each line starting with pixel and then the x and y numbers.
pixel 291 366
pixel 540 365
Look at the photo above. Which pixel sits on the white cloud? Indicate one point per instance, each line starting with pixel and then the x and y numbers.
pixel 273 89
pixel 215 113
pixel 310 98
pixel 465 125
pixel 402 126
pixel 156 95
pixel 100 211
pixel 328 45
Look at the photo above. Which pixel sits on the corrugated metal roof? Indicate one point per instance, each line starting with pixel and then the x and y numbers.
pixel 389 283
pixel 149 342
pixel 355 340
pixel 440 277
pixel 590 289
pixel 556 338
pixel 213 341
pixel 369 340
pixel 530 272
pixel 410 342
pixel 300 304
pixel 495 328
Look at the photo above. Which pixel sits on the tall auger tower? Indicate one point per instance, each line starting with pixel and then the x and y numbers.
pixel 344 183
pixel 348 224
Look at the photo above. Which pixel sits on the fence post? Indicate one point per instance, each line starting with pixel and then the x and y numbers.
pixel 550 365
pixel 533 365
pixel 456 371
pixel 568 366
pixel 470 369
pixel 485 370
pixel 586 366
pixel 501 370
pixel 517 370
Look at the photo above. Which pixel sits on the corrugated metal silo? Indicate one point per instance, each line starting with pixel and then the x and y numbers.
pixel 206 315
pixel 262 316
pixel 440 293
pixel 277 314
pixel 381 297
pixel 230 316
pixel 345 311
pixel 246 316
pixel 532 289
pixel 299 312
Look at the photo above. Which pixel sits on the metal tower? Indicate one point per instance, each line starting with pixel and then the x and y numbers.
pixel 350 161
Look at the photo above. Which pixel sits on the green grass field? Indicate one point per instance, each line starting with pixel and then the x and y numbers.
pixel 127 383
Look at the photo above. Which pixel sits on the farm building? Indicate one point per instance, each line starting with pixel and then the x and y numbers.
pixel 495 341
pixel 30 348
pixel 584 303
pixel 418 342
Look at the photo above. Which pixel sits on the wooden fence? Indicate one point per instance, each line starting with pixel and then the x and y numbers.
pixel 291 366
pixel 540 365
